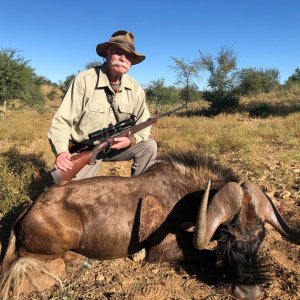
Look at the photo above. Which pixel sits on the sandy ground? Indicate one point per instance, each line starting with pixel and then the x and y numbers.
pixel 135 279
pixel 129 278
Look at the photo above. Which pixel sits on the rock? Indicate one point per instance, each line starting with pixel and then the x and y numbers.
pixel 285 195
pixel 139 256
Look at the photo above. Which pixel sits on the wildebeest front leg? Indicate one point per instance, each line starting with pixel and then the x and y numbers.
pixel 167 251
pixel 69 257
pixel 76 260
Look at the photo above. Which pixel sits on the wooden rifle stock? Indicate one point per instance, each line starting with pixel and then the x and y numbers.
pixel 79 161
pixel 89 156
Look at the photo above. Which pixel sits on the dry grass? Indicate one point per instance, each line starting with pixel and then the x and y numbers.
pixel 263 149
pixel 255 140
pixel 248 144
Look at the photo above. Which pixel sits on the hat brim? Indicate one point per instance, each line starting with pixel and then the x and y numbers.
pixel 137 58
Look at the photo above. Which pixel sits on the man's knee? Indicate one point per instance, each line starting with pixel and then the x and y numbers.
pixel 145 156
pixel 151 146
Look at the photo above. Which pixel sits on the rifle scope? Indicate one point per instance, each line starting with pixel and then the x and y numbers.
pixel 105 133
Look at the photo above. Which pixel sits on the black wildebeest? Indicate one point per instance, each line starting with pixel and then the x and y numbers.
pixel 113 217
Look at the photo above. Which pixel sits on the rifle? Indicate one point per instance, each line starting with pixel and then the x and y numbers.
pixel 106 138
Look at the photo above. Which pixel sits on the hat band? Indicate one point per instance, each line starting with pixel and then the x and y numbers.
pixel 124 43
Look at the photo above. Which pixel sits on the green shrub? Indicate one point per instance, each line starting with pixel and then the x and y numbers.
pixel 221 100
pixel 232 139
pixel 22 178
pixel 52 95
pixel 262 110
pixel 18 79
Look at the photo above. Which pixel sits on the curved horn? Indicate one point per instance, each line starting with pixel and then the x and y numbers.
pixel 224 206
pixel 267 211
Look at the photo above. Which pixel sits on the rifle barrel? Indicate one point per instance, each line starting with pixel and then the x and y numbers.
pixel 171 111
pixel 80 160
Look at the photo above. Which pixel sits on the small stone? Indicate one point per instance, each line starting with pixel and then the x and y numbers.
pixel 285 195
pixel 100 278
pixel 155 271
pixel 139 256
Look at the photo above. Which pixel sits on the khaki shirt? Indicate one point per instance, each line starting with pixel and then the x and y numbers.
pixel 85 108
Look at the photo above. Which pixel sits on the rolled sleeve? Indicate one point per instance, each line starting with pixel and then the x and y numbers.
pixel 66 115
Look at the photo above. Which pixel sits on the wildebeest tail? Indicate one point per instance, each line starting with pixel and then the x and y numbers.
pixel 10 254
pixel 15 272
pixel 14 279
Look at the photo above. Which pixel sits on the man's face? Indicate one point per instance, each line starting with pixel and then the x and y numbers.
pixel 118 60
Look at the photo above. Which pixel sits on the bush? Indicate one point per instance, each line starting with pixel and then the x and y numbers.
pixel 18 80
pixel 221 100
pixel 294 78
pixel 52 95
pixel 159 94
pixel 22 178
pixel 253 81
pixel 262 110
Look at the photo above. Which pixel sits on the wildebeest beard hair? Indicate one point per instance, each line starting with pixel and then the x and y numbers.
pixel 240 257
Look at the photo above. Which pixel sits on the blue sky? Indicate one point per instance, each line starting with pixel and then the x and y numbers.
pixel 59 37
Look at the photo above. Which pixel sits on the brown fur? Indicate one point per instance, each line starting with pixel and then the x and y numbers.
pixel 88 218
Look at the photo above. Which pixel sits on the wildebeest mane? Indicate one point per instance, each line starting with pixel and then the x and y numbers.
pixel 195 167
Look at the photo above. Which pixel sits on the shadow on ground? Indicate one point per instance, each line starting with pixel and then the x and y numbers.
pixel 258 109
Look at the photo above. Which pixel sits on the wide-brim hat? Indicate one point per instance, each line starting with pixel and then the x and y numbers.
pixel 124 40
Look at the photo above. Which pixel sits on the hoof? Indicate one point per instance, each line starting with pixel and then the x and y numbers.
pixel 86 265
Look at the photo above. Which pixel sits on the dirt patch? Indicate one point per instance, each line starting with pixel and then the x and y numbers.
pixel 127 279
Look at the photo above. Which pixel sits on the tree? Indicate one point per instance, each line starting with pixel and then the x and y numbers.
pixel 42 80
pixel 193 92
pixel 250 82
pixel 270 80
pixel 93 64
pixel 294 78
pixel 18 80
pixel 65 84
pixel 222 79
pixel 185 72
pixel 253 81
pixel 158 93
pixel 221 68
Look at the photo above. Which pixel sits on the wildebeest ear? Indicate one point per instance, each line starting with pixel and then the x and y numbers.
pixel 152 215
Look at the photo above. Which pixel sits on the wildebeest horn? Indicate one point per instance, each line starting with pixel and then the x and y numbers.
pixel 267 211
pixel 224 205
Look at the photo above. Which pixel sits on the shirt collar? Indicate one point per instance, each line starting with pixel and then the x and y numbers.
pixel 104 82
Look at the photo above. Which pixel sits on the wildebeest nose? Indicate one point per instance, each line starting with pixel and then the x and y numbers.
pixel 247 292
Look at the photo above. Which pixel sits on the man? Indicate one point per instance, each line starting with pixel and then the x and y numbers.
pixel 98 97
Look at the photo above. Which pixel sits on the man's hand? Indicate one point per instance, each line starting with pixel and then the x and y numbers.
pixel 121 142
pixel 63 161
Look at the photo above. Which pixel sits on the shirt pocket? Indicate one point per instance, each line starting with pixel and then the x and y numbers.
pixel 97 107
pixel 126 109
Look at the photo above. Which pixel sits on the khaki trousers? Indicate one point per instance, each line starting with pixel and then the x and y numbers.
pixel 143 155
